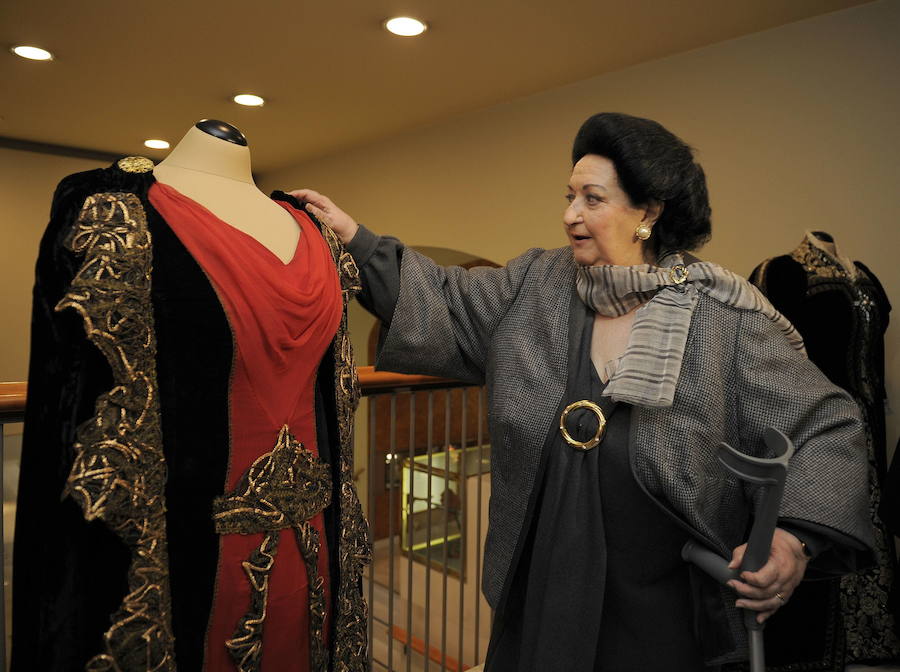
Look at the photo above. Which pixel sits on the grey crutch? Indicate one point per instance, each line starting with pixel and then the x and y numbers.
pixel 769 474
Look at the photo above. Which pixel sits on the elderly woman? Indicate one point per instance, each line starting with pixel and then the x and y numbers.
pixel 582 561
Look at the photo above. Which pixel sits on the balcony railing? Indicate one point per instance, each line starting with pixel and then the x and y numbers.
pixel 422 464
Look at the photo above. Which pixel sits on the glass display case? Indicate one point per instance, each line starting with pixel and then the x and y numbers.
pixel 433 504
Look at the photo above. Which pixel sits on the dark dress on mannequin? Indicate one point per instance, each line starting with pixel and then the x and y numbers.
pixel 136 506
pixel 841 310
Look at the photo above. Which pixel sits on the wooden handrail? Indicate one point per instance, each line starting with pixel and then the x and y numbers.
pixel 12 401
pixel 13 395
pixel 377 382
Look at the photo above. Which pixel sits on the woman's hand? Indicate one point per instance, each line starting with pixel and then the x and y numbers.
pixel 769 588
pixel 328 213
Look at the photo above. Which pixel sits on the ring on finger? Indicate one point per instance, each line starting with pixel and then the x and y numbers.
pixel 781 597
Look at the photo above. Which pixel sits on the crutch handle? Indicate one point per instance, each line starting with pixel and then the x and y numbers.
pixel 769 473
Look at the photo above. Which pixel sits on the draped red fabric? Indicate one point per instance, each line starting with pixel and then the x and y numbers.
pixel 283 317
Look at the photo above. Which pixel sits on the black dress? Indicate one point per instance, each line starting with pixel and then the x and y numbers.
pixel 600 583
pixel 841 310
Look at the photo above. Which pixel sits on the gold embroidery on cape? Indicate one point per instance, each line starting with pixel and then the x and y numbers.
pixel 281 489
pixel 135 164
pixel 119 471
pixel 355 551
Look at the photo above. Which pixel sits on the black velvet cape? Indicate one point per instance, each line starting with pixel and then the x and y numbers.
pixel 70 574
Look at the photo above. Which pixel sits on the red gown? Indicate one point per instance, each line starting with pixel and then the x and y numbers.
pixel 283 317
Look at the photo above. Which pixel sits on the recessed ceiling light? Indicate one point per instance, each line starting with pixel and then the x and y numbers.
pixel 32 53
pixel 249 99
pixel 156 144
pixel 405 26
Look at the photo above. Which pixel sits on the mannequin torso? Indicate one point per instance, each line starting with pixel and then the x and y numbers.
pixel 216 174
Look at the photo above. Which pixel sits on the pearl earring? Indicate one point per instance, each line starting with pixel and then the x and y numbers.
pixel 643 231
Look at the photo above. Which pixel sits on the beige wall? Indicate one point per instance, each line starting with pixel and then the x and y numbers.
pixel 27 182
pixel 796 128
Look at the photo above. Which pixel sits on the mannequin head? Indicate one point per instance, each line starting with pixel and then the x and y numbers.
pixel 223 130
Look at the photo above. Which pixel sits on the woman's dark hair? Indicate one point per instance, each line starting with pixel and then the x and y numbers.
pixel 652 164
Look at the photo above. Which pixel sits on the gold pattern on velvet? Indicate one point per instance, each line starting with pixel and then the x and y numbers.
pixel 355 551
pixel 817 263
pixel 135 164
pixel 281 489
pixel 119 471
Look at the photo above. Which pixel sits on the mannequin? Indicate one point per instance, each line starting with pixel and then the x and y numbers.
pixel 215 172
pixel 842 311
pixel 189 335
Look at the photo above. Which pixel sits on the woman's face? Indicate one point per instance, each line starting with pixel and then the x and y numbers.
pixel 600 220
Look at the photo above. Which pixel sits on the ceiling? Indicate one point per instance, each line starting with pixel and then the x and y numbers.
pixel 332 77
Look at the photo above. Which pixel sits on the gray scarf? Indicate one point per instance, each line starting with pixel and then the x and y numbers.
pixel 647 372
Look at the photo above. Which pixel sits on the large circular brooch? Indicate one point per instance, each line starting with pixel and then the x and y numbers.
pixel 598 434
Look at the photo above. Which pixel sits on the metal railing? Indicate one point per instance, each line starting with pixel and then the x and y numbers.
pixel 12 410
pixel 423 485
pixel 427 477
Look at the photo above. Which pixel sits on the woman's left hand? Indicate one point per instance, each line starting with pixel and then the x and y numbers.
pixel 769 588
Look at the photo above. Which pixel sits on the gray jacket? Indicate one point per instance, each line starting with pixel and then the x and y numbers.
pixel 509 328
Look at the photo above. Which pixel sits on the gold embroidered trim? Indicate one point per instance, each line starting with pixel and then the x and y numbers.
pixel 135 164
pixel 354 547
pixel 119 471
pixel 817 262
pixel 308 541
pixel 245 646
pixel 281 489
